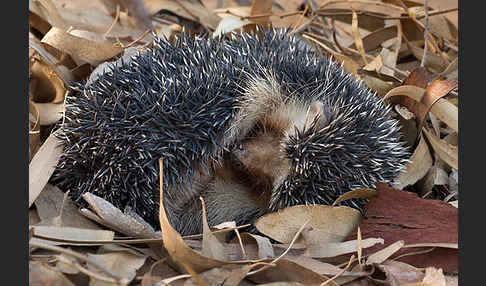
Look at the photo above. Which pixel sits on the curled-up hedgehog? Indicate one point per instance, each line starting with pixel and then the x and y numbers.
pixel 253 125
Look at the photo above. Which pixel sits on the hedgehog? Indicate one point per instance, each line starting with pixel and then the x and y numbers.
pixel 252 124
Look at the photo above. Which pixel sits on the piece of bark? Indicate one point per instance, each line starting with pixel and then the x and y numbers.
pixel 399 215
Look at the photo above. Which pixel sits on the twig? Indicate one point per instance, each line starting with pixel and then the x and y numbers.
pixel 426 33
pixel 241 243
pixel 136 40
pixel 117 15
pixel 340 272
pixel 283 253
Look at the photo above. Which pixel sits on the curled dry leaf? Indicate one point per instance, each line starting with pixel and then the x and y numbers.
pixel 334 223
pixel 399 273
pixel 61 71
pixel 34 130
pixel 447 152
pixel 355 194
pixel 182 254
pixel 42 166
pixel 50 113
pixel 420 163
pixel 49 87
pixel 442 108
pixel 91 51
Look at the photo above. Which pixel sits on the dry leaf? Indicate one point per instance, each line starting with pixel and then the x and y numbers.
pixel 43 274
pixel 50 113
pixel 34 130
pixel 42 166
pixel 417 168
pixel 51 206
pixel 335 223
pixel 72 234
pixel 399 273
pixel 264 246
pixel 285 270
pixel 91 51
pixel 182 254
pixel 322 249
pixel 228 24
pixel 49 87
pixel 446 152
pixel 260 7
pixel 385 253
pixel 123 264
pixel 355 194
pixel 113 217
pixel 357 38
pixel 211 246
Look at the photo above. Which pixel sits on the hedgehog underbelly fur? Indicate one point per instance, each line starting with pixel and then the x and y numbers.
pixel 253 125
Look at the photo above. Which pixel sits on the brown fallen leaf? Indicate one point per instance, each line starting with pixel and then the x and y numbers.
pixel 190 260
pixel 42 166
pixel 285 270
pixel 50 113
pixel 260 7
pixel 211 246
pixel 447 152
pixel 398 215
pixel 117 220
pixel 417 168
pixel 227 276
pixel 52 206
pixel 49 87
pixel 91 51
pixel 34 130
pixel 122 263
pixel 329 224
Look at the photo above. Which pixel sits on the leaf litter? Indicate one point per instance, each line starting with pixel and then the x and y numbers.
pixel 409 238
